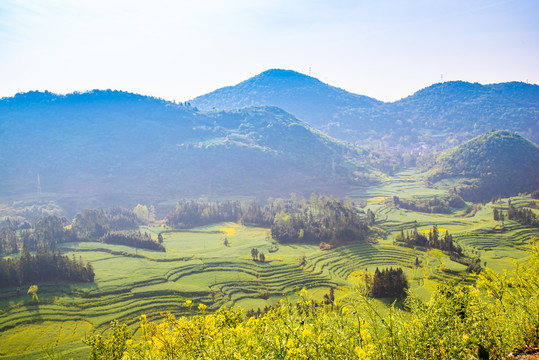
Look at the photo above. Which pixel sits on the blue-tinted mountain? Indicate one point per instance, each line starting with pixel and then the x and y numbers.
pixel 471 108
pixel 118 143
pixel 441 114
pixel 305 97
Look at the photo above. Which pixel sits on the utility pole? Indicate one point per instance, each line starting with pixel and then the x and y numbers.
pixel 38 186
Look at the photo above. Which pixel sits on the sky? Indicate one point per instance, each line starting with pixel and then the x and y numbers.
pixel 177 50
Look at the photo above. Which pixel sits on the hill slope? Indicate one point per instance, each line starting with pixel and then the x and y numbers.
pixel 124 144
pixel 441 113
pixel 500 162
pixel 464 107
pixel 305 97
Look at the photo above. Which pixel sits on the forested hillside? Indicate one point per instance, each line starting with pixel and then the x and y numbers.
pixel 497 163
pixel 306 97
pixel 444 113
pixel 110 142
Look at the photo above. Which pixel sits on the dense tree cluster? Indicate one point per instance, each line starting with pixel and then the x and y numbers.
pixel 48 232
pixel 91 223
pixel 432 205
pixel 51 230
pixel 8 240
pixel 188 214
pixel 322 219
pixel 388 283
pixel 121 219
pixel 132 238
pixel 524 216
pixel 433 240
pixel 44 266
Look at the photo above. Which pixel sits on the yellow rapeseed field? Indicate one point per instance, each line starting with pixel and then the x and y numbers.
pixel 376 200
pixel 426 231
pixel 228 231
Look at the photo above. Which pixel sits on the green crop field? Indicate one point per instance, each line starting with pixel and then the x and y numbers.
pixel 198 266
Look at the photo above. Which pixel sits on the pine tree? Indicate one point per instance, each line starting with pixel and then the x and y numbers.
pixel 496 215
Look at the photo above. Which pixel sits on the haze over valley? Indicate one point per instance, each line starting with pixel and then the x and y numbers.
pixel 269 180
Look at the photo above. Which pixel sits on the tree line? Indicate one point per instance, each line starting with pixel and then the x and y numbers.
pixel 523 216
pixel 323 220
pixel 388 283
pixel 88 225
pixel 134 239
pixel 108 226
pixel 192 213
pixel 432 205
pixel 44 266
pixel 432 241
pixel 319 219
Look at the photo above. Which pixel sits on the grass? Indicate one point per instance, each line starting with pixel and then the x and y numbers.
pixel 130 282
pixel 457 322
pixel 198 266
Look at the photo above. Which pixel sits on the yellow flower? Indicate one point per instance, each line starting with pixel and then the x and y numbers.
pixel 364 335
pixel 202 307
pixel 306 331
pixel 187 303
pixel 360 352
pixel 290 343
pixel 345 310
pixel 365 324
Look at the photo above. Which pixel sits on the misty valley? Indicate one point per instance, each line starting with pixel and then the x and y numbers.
pixel 280 218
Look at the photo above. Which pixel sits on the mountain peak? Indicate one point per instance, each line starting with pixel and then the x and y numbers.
pixel 279 80
pixel 288 76
pixel 281 73
pixel 304 96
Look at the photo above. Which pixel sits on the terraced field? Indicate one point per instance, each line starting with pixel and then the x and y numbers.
pixel 199 267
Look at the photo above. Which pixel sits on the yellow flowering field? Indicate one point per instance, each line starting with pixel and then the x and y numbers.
pixel 228 231
pixel 489 320
pixel 426 231
pixel 376 200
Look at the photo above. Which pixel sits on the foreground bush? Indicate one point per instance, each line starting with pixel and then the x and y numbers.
pixel 498 315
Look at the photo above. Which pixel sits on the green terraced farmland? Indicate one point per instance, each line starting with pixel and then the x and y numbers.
pixel 129 282
pixel 199 267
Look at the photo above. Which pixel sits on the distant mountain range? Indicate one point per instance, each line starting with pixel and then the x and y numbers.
pixel 497 163
pixel 251 139
pixel 449 112
pixel 109 142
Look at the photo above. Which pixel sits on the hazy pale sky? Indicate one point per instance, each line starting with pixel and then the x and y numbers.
pixel 177 50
